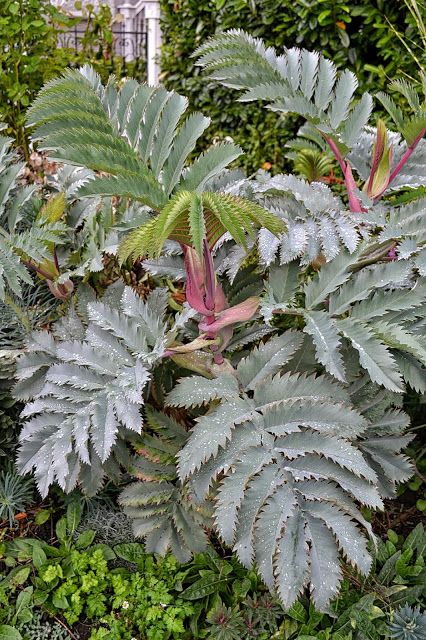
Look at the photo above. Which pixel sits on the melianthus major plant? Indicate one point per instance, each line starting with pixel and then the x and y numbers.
pixel 276 446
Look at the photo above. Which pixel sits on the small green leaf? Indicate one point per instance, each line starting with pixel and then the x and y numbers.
pixel 203 587
pixel 9 633
pixel 18 576
pixel 85 539
pixel 421 504
pixel 297 612
pixel 73 516
pixel 108 553
pixel 60 602
pixel 131 551
pixel 42 516
pixel 61 529
pixel 39 556
pixel 392 536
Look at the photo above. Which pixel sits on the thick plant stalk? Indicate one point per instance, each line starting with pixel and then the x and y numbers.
pixel 406 155
pixel 354 202
pixel 205 295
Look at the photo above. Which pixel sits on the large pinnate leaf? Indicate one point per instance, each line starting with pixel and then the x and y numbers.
pixel 330 277
pixel 294 459
pixel 189 217
pixel 297 81
pixel 326 339
pixel 87 392
pixel 195 391
pixel 373 355
pixel 268 358
pixel 211 432
pixel 134 137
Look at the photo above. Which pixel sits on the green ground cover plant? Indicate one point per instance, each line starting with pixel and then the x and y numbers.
pixel 118 591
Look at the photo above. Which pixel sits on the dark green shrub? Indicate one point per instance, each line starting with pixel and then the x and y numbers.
pixel 356 35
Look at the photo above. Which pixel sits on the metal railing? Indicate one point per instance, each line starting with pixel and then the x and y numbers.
pixel 130 45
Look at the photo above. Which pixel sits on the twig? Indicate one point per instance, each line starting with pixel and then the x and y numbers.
pixel 38 270
pixel 65 627
pixel 406 155
pixel 354 202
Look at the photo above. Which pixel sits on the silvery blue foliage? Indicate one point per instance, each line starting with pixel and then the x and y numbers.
pixel 408 624
pixel 285 441
pixel 317 220
pixel 293 454
pixel 87 391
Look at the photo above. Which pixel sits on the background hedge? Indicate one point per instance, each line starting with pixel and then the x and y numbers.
pixel 359 35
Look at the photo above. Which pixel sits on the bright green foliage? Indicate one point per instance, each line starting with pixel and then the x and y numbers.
pixel 29 35
pixel 76 575
pixel 74 579
pixel 132 135
pixel 30 54
pixel 189 217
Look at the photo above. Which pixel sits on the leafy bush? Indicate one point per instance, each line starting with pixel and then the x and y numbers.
pixel 28 41
pixel 275 446
pixel 29 35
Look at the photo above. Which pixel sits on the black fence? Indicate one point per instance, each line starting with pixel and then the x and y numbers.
pixel 129 45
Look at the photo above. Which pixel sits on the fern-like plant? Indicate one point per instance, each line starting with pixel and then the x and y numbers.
pixel 276 446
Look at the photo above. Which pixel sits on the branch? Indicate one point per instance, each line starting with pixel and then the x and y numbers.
pixel 37 269
pixel 406 155
pixel 354 202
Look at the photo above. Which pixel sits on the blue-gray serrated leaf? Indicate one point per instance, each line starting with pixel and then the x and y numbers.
pixel 194 391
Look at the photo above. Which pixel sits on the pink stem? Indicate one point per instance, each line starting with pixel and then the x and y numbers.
pixel 406 155
pixel 354 203
pixel 37 269
pixel 217 356
pixel 210 277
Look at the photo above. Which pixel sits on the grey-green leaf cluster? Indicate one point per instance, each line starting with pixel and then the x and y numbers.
pixel 87 388
pixel 160 506
pixel 374 312
pixel 290 456
pixel 297 81
pixel 138 136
